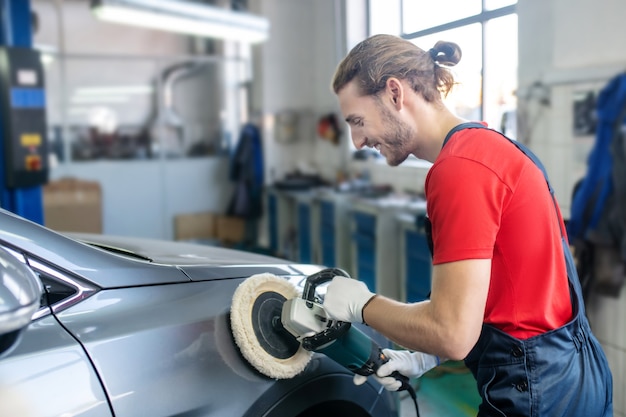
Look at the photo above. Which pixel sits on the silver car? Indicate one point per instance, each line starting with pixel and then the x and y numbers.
pixel 133 327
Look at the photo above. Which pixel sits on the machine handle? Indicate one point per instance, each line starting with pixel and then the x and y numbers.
pixel 318 278
pixel 338 328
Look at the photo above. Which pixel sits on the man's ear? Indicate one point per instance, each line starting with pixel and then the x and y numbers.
pixel 395 91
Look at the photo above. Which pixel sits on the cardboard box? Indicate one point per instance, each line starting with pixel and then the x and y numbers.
pixel 73 205
pixel 231 229
pixel 195 226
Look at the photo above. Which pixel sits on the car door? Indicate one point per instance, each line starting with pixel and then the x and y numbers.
pixel 47 373
pixel 166 350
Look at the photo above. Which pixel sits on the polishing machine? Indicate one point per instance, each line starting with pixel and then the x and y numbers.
pixel 277 329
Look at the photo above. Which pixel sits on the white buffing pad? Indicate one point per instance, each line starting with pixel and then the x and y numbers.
pixel 242 324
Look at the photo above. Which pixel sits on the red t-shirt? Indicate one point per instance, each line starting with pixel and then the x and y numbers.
pixel 487 200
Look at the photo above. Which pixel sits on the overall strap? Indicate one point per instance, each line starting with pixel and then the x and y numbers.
pixel 572 273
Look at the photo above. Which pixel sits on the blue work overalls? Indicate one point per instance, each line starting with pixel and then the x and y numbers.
pixel 563 372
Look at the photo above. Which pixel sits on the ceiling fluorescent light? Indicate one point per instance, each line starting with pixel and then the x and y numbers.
pixel 184 17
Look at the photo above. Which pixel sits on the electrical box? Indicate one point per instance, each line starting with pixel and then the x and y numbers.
pixel 23 117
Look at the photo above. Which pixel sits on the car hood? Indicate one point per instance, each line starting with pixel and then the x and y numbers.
pixel 198 262
pixel 174 252
pixel 120 261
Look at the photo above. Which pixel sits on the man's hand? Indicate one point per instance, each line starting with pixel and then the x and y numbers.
pixel 345 299
pixel 410 364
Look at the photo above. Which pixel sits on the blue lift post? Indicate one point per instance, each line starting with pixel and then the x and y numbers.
pixel 16 31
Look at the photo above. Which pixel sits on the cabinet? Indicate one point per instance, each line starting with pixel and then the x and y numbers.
pixel 305 254
pixel 334 231
pixel 328 243
pixel 364 238
pixel 281 222
pixel 416 262
pixel 292 222
pixel 375 243
pixel 272 221
pixel 306 221
pixel 380 244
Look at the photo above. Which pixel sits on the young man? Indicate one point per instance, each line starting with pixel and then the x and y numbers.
pixel 505 297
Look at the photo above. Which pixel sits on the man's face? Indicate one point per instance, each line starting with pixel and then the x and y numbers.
pixel 375 124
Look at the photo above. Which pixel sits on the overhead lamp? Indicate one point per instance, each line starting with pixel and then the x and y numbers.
pixel 186 17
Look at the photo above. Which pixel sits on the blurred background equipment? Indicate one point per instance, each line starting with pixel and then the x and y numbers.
pixel 328 128
pixel 23 140
pixel 597 225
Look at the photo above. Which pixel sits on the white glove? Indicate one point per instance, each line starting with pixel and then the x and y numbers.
pixel 345 299
pixel 410 364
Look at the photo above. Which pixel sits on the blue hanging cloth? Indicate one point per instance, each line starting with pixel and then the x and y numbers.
pixel 246 170
pixel 591 196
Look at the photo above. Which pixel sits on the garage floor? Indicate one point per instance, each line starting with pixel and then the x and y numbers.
pixel 447 391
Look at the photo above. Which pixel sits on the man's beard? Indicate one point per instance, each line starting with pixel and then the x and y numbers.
pixel 396 137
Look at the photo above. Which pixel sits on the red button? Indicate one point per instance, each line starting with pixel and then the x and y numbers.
pixel 33 163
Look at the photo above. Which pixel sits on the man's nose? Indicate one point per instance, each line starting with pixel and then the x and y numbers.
pixel 359 142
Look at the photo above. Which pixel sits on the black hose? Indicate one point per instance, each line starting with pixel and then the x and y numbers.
pixel 413 395
pixel 406 386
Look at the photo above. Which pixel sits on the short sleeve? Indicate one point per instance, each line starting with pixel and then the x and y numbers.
pixel 465 204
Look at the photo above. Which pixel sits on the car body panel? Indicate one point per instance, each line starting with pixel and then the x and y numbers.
pixel 106 270
pixel 153 338
pixel 206 273
pixel 187 253
pixel 101 268
pixel 160 349
pixel 28 369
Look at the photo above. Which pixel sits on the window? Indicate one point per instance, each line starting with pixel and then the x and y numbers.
pixel 419 15
pixel 60 290
pixel 465 98
pixel 486 31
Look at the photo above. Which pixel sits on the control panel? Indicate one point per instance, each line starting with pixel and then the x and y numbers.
pixel 23 117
